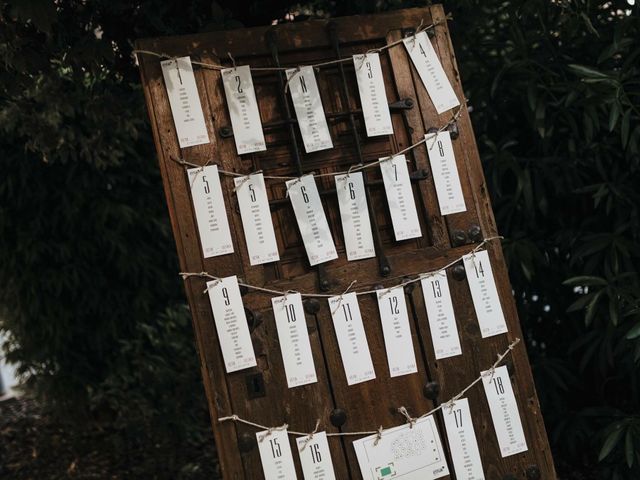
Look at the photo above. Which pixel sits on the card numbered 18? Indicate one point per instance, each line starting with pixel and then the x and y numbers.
pixel 504 411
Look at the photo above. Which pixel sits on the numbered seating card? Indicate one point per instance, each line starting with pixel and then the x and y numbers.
pixel 256 219
pixel 504 411
pixel 211 214
pixel 352 339
pixel 293 337
pixel 403 452
pixel 462 441
pixel 312 221
pixel 315 457
pixel 445 173
pixel 275 455
pixel 184 101
pixel 375 107
pixel 433 76
pixel 231 324
pixel 396 330
pixel 484 294
pixel 243 109
pixel 402 206
pixel 354 215
pixel 442 321
pixel 309 111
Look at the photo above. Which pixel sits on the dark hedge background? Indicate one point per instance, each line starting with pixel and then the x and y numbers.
pixel 90 298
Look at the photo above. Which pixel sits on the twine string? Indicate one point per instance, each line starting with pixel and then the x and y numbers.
pixel 215 66
pixel 418 277
pixel 380 430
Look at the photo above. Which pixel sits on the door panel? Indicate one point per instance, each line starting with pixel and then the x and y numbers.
pixel 260 394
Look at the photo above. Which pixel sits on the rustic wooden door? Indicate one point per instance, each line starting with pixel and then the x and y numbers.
pixel 261 394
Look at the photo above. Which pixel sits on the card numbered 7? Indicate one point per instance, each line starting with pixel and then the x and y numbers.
pixel 402 205
pixel 504 411
pixel 184 101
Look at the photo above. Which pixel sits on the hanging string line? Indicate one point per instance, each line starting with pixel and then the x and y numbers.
pixel 352 169
pixel 215 66
pixel 186 275
pixel 379 432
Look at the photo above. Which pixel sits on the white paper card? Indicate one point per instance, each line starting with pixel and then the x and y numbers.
pixel 442 321
pixel 311 219
pixel 402 205
pixel 431 73
pixel 504 412
pixel 315 457
pixel 445 173
pixel 375 107
pixel 275 455
pixel 185 102
pixel 294 340
pixel 309 111
pixel 397 332
pixel 354 215
pixel 352 339
pixel 402 452
pixel 211 214
pixel 243 109
pixel 256 219
pixel 484 294
pixel 462 441
pixel 231 324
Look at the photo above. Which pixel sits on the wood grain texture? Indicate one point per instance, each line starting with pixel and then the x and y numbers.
pixel 372 403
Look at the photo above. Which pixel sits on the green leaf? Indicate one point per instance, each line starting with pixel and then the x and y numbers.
pixel 628 448
pixel 586 280
pixel 633 333
pixel 611 441
pixel 587 72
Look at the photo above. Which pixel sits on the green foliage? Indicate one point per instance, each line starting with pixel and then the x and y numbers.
pixel 86 258
pixel 555 88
